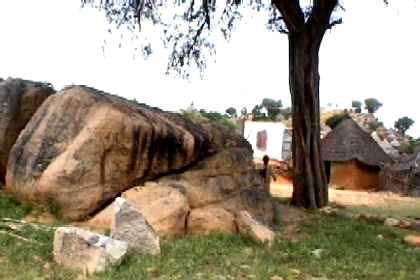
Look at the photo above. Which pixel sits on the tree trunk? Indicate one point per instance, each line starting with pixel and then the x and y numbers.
pixel 310 187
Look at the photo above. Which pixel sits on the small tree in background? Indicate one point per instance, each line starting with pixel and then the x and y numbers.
pixel 335 120
pixel 357 105
pixel 403 124
pixel 231 112
pixel 272 106
pixel 257 114
pixel 244 112
pixel 372 105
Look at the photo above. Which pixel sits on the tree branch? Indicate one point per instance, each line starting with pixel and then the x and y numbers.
pixel 321 13
pixel 334 23
pixel 291 13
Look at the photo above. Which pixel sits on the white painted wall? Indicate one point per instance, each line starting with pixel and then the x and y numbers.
pixel 275 132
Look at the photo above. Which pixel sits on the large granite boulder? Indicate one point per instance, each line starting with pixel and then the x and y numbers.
pixel 216 177
pixel 19 100
pixel 228 180
pixel 84 147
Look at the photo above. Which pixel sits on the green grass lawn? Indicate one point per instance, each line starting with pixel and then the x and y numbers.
pixel 350 250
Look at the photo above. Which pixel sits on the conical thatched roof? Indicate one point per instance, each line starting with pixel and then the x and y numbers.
pixel 349 141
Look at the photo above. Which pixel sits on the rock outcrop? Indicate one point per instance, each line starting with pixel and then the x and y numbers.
pixel 412 240
pixel 129 225
pixel 247 225
pixel 204 221
pixel 84 147
pixel 164 208
pixel 19 100
pixel 76 248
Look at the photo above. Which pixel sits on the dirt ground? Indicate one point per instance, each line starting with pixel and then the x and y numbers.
pixel 360 201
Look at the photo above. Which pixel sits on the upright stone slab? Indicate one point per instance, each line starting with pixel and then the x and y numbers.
pixel 130 226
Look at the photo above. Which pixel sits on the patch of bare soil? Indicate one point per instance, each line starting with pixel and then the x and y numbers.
pixel 377 202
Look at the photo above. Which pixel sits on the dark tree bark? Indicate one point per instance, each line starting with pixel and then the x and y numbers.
pixel 310 187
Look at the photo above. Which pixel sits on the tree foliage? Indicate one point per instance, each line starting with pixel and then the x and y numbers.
pixel 403 124
pixel 189 28
pixel 372 105
pixel 357 105
pixel 231 111
pixel 272 107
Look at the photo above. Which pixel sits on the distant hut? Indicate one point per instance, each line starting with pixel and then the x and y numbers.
pixel 403 176
pixel 352 157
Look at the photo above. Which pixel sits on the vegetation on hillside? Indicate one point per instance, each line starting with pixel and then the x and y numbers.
pixel 403 124
pixel 335 120
pixel 203 115
pixel 372 105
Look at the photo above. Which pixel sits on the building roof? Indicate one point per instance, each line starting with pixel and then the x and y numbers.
pixel 348 141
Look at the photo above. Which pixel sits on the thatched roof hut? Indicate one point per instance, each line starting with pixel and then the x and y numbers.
pixel 348 141
pixel 353 158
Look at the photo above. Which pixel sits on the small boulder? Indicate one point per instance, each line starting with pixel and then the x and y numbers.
pixel 203 221
pixel 405 224
pixel 76 248
pixel 247 225
pixel 412 240
pixel 165 209
pixel 391 222
pixel 130 226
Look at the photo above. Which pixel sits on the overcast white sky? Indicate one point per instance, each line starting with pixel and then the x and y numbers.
pixel 374 53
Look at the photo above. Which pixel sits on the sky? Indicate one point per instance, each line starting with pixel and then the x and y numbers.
pixel 374 53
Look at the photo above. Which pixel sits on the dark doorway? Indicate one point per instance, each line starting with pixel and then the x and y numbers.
pixel 328 170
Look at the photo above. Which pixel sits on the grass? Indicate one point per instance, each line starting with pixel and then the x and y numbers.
pixel 350 250
pixel 10 208
pixel 397 211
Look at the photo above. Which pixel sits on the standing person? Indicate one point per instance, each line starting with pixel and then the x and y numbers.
pixel 267 173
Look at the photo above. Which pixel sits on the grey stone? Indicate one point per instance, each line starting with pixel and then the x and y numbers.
pixel 129 225
pixel 76 248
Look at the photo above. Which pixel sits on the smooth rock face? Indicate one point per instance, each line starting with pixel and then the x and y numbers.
pixel 163 207
pixel 247 225
pixel 84 147
pixel 204 221
pixel 19 100
pixel 75 248
pixel 216 177
pixel 130 226
pixel 226 180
